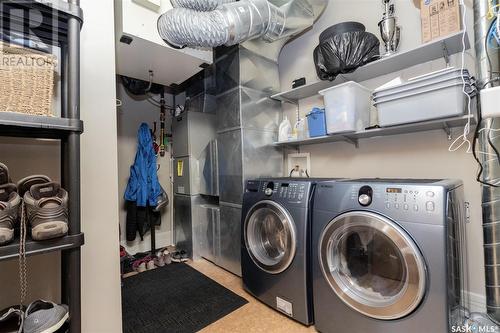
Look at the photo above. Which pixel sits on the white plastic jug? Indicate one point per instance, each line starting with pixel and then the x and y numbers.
pixel 285 130
pixel 300 129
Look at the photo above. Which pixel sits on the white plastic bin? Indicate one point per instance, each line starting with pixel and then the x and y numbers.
pixel 436 102
pixel 432 96
pixel 347 107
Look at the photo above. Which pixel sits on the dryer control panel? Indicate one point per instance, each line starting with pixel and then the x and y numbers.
pixel 405 198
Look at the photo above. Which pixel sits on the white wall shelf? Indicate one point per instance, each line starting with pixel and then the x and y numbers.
pixel 436 49
pixel 443 124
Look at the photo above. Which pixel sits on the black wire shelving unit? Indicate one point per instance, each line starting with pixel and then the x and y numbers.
pixel 57 23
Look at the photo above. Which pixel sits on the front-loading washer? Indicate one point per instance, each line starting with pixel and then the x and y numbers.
pixel 387 256
pixel 276 244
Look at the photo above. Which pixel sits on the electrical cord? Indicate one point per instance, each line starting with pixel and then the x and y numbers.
pixel 480 120
pixel 490 142
pixel 464 137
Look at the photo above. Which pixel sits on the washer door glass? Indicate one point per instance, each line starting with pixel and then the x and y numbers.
pixel 270 236
pixel 373 265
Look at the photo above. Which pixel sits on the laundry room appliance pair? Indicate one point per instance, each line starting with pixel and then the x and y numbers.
pixel 366 255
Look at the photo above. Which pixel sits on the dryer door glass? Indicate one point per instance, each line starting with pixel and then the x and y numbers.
pixel 270 237
pixel 373 265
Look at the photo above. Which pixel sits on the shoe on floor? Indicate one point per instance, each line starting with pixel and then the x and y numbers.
pixel 150 265
pixel 180 256
pixel 10 201
pixel 4 174
pixel 160 260
pixel 45 317
pixel 139 266
pixel 11 320
pixel 167 257
pixel 47 211
pixel 25 184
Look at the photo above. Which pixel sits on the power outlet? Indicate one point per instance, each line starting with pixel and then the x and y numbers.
pixel 299 165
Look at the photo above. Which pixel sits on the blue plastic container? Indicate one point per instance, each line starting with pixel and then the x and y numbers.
pixel 317 122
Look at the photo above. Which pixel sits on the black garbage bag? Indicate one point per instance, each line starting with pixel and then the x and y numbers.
pixel 341 54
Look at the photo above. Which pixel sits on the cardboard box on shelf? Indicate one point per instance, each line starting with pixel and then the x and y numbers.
pixel 440 18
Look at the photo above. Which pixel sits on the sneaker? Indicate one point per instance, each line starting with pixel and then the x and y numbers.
pixel 139 266
pixel 167 257
pixel 25 184
pixel 159 259
pixel 162 200
pixel 11 320
pixel 150 265
pixel 10 201
pixel 180 256
pixel 4 174
pixel 47 211
pixel 45 317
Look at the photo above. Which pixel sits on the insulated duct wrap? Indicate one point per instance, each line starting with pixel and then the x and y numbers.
pixel 488 63
pixel 199 5
pixel 229 24
pixel 181 26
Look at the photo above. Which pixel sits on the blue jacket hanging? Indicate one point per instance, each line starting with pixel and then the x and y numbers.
pixel 143 186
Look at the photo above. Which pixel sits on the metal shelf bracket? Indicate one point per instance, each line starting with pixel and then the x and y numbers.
pixel 446 54
pixel 447 130
pixel 287 100
pixel 354 142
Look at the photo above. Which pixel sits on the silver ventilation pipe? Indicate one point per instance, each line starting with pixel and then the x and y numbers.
pixel 199 5
pixel 486 68
pixel 212 23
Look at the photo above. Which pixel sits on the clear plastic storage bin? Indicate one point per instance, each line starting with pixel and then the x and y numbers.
pixel 347 107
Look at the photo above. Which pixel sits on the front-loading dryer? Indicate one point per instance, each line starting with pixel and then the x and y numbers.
pixel 387 256
pixel 276 244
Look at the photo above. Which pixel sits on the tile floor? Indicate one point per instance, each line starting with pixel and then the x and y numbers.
pixel 252 317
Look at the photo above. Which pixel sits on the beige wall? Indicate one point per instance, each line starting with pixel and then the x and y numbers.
pixel 101 292
pixel 422 155
pixel 130 115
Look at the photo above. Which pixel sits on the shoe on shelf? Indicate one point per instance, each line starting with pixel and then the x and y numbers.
pixel 25 184
pixel 11 320
pixel 10 201
pixel 45 317
pixel 47 211
pixel 4 174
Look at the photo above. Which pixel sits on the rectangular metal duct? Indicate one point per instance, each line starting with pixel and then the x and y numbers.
pixel 247 121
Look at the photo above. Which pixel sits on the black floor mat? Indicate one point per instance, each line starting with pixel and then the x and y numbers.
pixel 175 298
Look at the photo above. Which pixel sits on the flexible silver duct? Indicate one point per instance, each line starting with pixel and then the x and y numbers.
pixel 203 6
pixel 195 24
pixel 490 164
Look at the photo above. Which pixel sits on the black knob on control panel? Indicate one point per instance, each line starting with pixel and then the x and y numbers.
pixel 365 196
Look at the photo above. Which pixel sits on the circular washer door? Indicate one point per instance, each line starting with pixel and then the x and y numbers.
pixel 372 265
pixel 270 238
